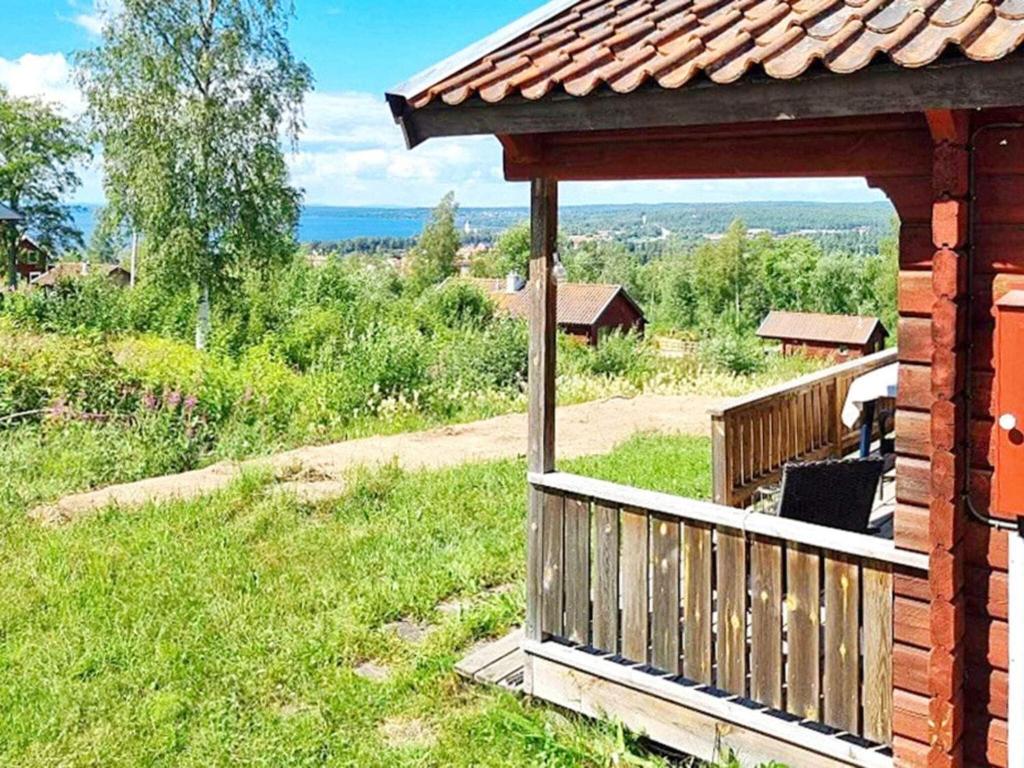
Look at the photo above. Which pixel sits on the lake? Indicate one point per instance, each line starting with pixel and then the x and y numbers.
pixel 327 224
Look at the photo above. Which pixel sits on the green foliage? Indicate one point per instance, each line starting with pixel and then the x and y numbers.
pixel 433 258
pixel 619 354
pixel 734 351
pixel 511 253
pixel 189 101
pixel 456 304
pixel 39 152
pixel 603 261
pixel 735 281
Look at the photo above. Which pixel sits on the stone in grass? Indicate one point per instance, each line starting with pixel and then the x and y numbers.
pixel 457 605
pixel 407 733
pixel 376 673
pixel 409 631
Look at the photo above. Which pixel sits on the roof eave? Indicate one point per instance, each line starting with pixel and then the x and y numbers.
pixel 953 83
pixel 398 97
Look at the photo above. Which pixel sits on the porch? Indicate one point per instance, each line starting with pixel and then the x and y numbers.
pixel 706 626
pixel 701 624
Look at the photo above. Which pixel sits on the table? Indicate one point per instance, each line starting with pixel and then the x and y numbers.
pixel 865 392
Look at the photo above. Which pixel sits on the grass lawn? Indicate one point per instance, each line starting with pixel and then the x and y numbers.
pixel 228 630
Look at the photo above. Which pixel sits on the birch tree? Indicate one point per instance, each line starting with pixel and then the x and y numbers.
pixel 39 155
pixel 191 101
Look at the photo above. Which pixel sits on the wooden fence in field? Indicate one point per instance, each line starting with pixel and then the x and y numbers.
pixel 754 436
pixel 676 348
pixel 745 606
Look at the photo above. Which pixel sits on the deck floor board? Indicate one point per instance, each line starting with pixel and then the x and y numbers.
pixel 496 662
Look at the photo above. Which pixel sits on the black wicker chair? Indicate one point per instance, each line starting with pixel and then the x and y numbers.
pixel 835 494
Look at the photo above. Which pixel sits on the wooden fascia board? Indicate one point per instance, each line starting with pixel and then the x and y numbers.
pixel 950 84
pixel 782 150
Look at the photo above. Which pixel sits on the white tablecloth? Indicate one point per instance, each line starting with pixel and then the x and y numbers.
pixel 879 383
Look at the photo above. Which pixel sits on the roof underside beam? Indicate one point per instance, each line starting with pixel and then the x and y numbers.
pixel 956 83
pixel 892 145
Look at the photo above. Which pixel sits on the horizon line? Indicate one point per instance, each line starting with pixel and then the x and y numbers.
pixel 397 207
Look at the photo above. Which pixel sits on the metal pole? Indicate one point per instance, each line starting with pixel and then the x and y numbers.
pixel 135 255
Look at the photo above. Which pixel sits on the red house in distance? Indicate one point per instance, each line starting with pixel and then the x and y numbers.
pixel 585 311
pixel 839 337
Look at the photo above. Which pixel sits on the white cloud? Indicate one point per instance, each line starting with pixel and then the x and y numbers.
pixel 49 77
pixel 352 153
pixel 94 18
pixel 46 76
pixel 90 22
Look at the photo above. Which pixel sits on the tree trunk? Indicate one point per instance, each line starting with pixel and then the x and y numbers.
pixel 203 318
pixel 135 256
pixel 12 264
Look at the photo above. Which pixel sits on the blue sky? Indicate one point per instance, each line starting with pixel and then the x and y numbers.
pixel 351 153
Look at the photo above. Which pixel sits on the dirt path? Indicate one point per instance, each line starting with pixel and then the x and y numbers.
pixel 321 472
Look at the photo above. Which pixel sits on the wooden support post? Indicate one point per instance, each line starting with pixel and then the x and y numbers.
pixel 721 469
pixel 541 441
pixel 950 229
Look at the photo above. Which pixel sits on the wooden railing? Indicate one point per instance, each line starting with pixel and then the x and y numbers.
pixel 752 437
pixel 790 616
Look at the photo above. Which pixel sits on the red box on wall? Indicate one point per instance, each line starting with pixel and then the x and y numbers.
pixel 1008 489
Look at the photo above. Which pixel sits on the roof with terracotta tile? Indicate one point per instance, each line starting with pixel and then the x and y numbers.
pixel 580 47
pixel 578 303
pixel 71 270
pixel 831 329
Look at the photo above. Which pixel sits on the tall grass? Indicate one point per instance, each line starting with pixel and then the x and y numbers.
pixel 228 630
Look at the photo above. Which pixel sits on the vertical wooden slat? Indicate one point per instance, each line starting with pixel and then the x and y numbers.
pixel 541 376
pixel 697 552
pixel 750 444
pixel 736 448
pixel 766 622
pixel 803 618
pixel 759 442
pixel 606 574
pixel 665 593
pixel 819 413
pixel 878 620
pixel 553 587
pixel 732 611
pixel 721 466
pixel 577 570
pixel 634 585
pixel 842 642
pixel 793 401
pixel 815 419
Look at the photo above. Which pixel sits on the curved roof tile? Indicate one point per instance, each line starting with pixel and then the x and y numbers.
pixel 623 44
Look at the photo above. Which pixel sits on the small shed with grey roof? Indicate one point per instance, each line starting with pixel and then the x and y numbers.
pixel 841 337
pixel 8 214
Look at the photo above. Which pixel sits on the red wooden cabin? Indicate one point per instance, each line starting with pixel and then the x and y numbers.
pixel 585 311
pixel 832 337
pixel 896 652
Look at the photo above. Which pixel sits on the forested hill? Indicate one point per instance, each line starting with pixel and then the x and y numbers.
pixel 711 218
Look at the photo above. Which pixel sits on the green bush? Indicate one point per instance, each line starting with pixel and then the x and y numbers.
pixel 618 354
pixel 734 352
pixel 455 304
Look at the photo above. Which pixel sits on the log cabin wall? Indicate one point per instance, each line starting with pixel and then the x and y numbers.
pixel 951 658
pixel 998 234
pixel 913 197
